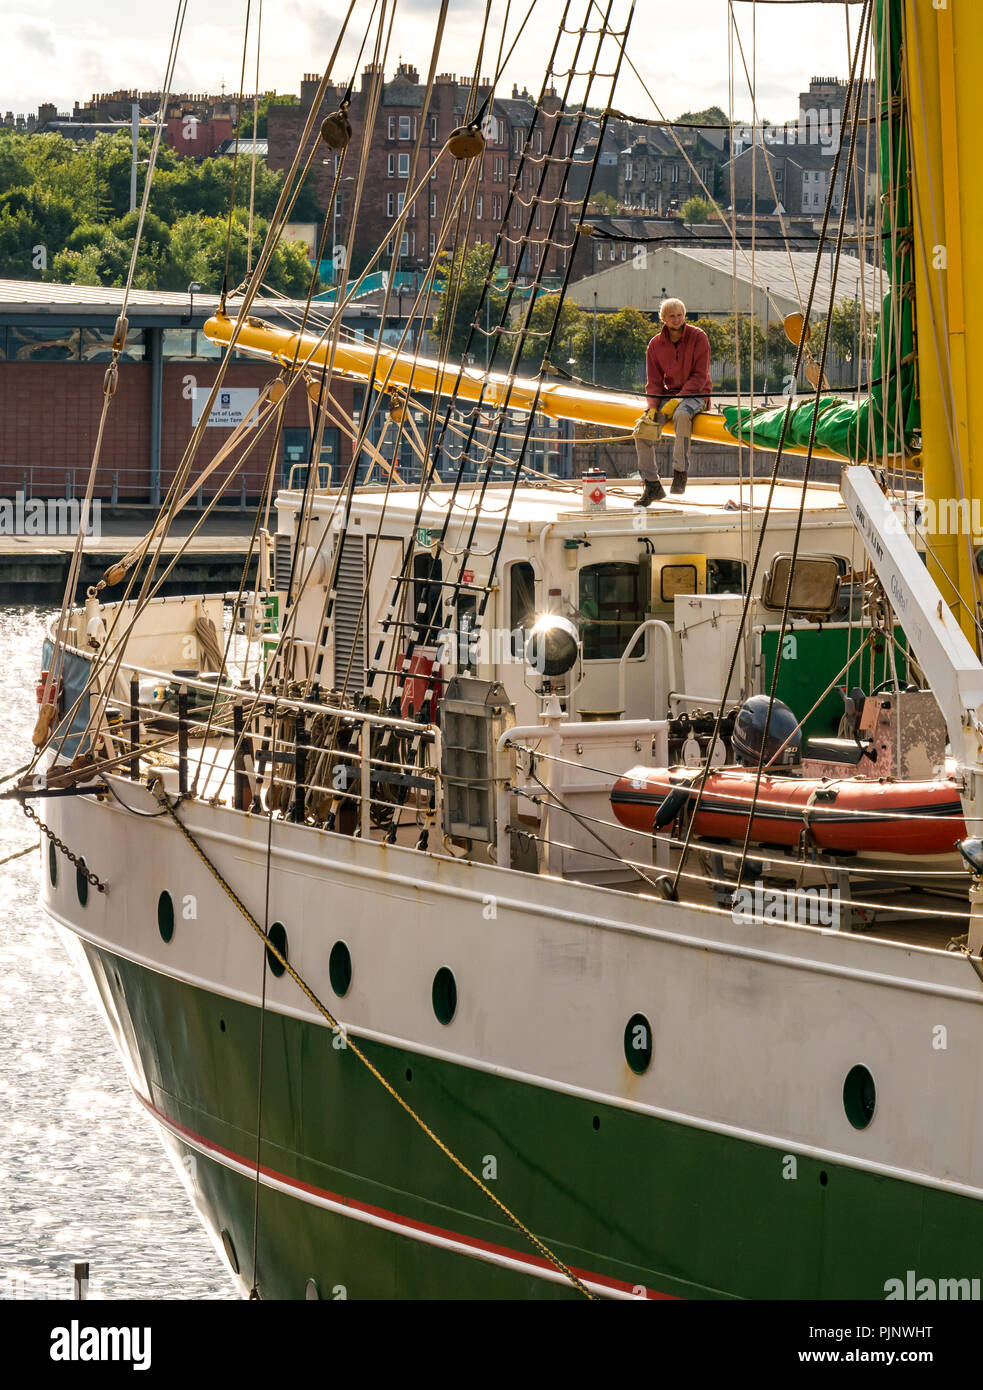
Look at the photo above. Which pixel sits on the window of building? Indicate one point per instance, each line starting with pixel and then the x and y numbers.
pixel 628 171
pixel 497 207
pixel 479 205
pixel 613 251
pixel 657 174
pixel 600 253
pixel 97 345
pixel 433 127
pixel 403 166
pixel 538 213
pixel 675 174
pixel 641 172
pixel 517 140
pixel 405 128
pixel 400 200
pixel 539 142
pixel 433 205
pixel 624 252
pixel 433 243
pixel 778 175
pixel 610 608
pixel 392 127
pixel 391 168
pixel 499 169
pixel 43 344
pixel 390 204
pixel 188 345
pixel 815 199
pixel 404 244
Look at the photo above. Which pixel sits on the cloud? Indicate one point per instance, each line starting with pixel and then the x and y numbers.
pixel 67 53
pixel 35 38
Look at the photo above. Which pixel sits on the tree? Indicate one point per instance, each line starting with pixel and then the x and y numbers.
pixel 712 115
pixel 621 340
pixel 696 210
pixel 740 334
pixel 267 100
pixel 720 345
pixel 458 282
pixel 603 202
pixel 541 320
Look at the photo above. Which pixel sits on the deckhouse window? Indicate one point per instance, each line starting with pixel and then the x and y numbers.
pixel 611 608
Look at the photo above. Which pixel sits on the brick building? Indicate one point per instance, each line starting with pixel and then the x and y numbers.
pixel 54 344
pixel 656 172
pixel 389 147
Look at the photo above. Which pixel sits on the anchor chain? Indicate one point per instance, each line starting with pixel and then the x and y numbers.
pixel 80 868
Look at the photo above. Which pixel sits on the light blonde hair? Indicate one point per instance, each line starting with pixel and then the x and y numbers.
pixel 667 304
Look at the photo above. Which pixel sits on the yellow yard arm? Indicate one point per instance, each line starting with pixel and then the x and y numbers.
pixel 405 372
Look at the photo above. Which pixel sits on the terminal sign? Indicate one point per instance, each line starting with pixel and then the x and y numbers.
pixel 232 405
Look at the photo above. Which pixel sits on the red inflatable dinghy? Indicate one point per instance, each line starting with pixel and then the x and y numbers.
pixel 853 814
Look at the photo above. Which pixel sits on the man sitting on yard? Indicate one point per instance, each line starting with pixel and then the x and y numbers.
pixel 677 365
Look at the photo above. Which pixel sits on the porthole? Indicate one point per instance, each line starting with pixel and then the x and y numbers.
pixel 823 1178
pixel 165 916
pixel 596 1122
pixel 444 995
pixel 859 1096
pixel 638 1043
pixel 81 883
pixel 230 1250
pixel 221 1025
pixel 409 1073
pixel 52 864
pixel 340 969
pixel 278 936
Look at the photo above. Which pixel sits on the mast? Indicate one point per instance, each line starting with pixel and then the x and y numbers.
pixel 942 40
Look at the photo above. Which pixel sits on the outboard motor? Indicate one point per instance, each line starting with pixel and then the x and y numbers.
pixel 780 736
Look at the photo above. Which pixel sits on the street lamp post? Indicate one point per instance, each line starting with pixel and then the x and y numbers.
pixel 766 343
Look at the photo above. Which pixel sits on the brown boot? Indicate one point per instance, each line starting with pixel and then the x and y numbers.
pixel 678 482
pixel 653 491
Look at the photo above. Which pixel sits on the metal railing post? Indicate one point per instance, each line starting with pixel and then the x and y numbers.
pixel 182 741
pixel 300 767
pixel 135 727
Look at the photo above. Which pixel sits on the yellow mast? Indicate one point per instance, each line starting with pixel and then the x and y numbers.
pixel 403 371
pixel 942 42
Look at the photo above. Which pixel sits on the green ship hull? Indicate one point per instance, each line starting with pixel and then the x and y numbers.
pixel 355 1201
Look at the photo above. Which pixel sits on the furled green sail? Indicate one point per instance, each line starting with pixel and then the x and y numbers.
pixel 886 421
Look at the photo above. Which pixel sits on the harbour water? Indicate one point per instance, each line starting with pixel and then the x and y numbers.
pixel 83 1175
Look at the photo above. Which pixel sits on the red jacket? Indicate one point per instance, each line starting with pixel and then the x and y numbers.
pixel 678 369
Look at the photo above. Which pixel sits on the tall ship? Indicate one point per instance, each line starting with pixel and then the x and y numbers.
pixel 514 892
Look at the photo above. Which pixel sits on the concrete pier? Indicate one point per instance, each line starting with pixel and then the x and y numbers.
pixel 34 569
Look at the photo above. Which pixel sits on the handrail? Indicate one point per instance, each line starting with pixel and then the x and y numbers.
pixel 656 624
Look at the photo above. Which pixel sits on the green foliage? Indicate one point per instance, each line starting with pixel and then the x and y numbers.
pixel 459 279
pixel 711 115
pixel 267 100
pixel 721 347
pixel 847 334
pixel 622 338
pixel 541 319
pixel 73 201
pixel 741 334
pixel 696 210
pixel 603 202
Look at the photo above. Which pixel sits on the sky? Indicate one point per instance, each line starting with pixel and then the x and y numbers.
pixel 62 51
